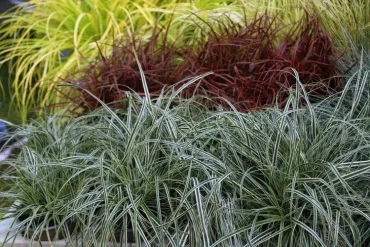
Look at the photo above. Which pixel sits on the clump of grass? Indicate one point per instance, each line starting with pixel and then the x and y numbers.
pixel 139 174
pixel 187 17
pixel 53 38
pixel 347 21
pixel 56 37
pixel 301 172
pixel 110 77
pixel 249 70
pixel 181 174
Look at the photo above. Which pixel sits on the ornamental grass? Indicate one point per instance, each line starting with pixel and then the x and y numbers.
pixel 248 70
pixel 180 174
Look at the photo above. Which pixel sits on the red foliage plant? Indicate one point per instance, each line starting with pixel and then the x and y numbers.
pixel 249 70
pixel 111 77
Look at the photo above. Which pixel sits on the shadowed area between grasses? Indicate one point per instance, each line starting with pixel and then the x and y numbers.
pixel 7 110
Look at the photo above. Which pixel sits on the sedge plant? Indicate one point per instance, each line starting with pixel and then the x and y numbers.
pixel 178 174
pixel 44 41
pixel 248 69
pixel 139 174
pixel 301 173
pixel 347 21
pixel 55 37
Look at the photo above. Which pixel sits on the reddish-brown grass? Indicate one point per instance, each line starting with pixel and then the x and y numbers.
pixel 110 77
pixel 249 70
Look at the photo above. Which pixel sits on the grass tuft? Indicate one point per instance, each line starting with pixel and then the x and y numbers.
pixel 248 69
pixel 188 176
pixel 252 73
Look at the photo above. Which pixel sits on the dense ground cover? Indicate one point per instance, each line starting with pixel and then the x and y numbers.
pixel 249 70
pixel 246 130
pixel 63 35
pixel 175 171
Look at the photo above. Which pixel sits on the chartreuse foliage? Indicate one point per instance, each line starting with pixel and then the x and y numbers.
pixel 56 37
pixel 347 21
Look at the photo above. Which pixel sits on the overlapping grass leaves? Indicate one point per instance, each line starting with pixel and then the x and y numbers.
pixel 56 37
pixel 181 175
pixel 248 68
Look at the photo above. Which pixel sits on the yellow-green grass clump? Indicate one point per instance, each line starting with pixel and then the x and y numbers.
pixel 50 41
